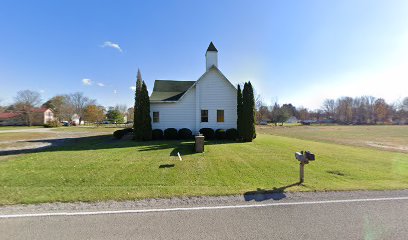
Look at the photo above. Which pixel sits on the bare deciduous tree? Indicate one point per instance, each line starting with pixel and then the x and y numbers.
pixel 25 101
pixel 79 102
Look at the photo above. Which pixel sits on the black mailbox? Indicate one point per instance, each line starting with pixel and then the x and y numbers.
pixel 310 156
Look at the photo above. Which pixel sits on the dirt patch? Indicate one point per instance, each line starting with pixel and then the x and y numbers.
pixel 387 147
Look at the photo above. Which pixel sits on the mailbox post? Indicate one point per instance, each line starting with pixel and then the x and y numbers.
pixel 303 158
pixel 302 172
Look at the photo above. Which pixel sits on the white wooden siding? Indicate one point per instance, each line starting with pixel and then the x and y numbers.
pixel 216 93
pixel 177 115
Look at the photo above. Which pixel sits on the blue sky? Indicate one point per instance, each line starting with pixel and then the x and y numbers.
pixel 293 51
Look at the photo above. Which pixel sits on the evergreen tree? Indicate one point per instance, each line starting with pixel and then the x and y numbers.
pixel 252 111
pixel 239 111
pixel 137 117
pixel 245 113
pixel 145 114
pixel 248 122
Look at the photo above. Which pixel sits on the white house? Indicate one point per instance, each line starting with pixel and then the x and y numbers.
pixel 209 102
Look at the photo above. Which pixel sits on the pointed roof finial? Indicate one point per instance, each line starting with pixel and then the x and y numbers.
pixel 211 48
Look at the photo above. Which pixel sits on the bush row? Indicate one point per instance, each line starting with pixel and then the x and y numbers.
pixel 185 133
pixel 172 133
pixel 230 134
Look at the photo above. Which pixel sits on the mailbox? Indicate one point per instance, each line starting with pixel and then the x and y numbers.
pixel 303 157
pixel 299 156
pixel 310 156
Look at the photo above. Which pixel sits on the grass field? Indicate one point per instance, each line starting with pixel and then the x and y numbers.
pixel 382 137
pixel 85 129
pixel 18 127
pixel 100 168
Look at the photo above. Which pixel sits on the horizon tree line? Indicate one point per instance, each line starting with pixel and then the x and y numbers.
pixel 343 110
pixel 65 106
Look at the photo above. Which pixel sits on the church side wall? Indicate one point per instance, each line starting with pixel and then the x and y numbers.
pixel 176 115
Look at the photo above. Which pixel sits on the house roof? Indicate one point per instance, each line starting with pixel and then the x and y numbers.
pixel 9 115
pixel 172 91
pixel 211 48
pixel 169 90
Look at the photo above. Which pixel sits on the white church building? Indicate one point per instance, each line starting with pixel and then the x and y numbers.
pixel 209 102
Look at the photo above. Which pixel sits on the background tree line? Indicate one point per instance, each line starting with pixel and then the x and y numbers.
pixel 65 106
pixel 344 110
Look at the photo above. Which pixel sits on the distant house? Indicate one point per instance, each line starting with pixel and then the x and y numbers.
pixel 75 119
pixel 12 119
pixel 209 102
pixel 39 116
pixel 292 119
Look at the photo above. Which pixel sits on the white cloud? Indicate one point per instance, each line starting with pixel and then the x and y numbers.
pixel 101 84
pixel 111 45
pixel 115 91
pixel 87 81
pixel 133 88
pixel 42 91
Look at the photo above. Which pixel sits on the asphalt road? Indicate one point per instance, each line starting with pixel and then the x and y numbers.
pixel 359 215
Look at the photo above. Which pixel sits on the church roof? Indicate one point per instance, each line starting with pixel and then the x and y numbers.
pixel 211 48
pixel 169 90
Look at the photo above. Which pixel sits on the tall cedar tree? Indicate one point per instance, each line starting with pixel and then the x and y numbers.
pixel 244 119
pixel 248 122
pixel 252 107
pixel 145 113
pixel 239 111
pixel 137 117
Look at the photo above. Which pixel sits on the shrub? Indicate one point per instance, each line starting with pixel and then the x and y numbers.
pixel 170 133
pixel 52 124
pixel 232 134
pixel 185 133
pixel 128 130
pixel 220 134
pixel 207 132
pixel 118 134
pixel 157 134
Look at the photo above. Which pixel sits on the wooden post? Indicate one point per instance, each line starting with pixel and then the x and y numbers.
pixel 302 172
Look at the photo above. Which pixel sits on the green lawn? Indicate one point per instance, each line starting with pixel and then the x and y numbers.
pixel 383 137
pixel 17 127
pixel 86 129
pixel 100 168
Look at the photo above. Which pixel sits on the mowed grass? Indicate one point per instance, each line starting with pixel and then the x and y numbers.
pixel 18 127
pixel 100 168
pixel 383 137
pixel 86 129
pixel 18 136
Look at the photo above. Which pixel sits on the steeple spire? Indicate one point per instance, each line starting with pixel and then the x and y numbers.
pixel 211 48
pixel 211 57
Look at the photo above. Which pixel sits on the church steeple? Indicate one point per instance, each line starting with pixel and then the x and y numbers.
pixel 211 56
pixel 211 48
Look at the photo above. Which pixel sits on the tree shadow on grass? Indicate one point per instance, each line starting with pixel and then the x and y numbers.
pixel 183 147
pixel 167 166
pixel 106 142
pixel 262 194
